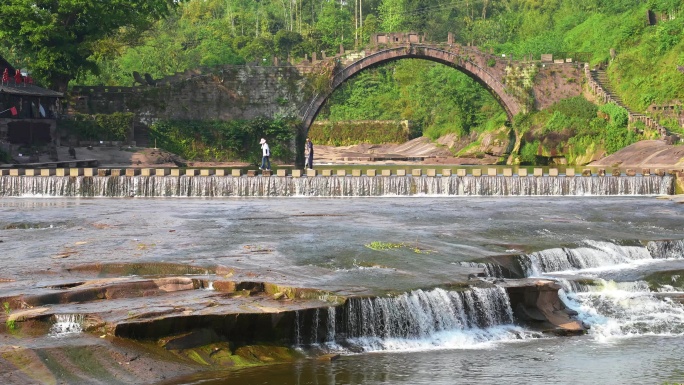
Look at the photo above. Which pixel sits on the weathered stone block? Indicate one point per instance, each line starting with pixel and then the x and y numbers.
pixel 252 173
pixel 220 172
pixel 431 172
pixel 17 171
pixel 236 172
pixel 646 172
pixel 417 172
pixel 129 172
pixel 191 172
pixel 207 171
pixel 46 172
pixel 62 171
pixel 370 172
pixel 538 171
pixel 569 172
pixel 601 172
pixel 31 172
pixel 401 172
pixel 446 172
pixel 356 172
pixel 659 172
pixel 477 172
pixel 266 173
pixel 461 172
pixel 586 172
pixel 507 172
pixel 89 171
pixel 175 172
pixel 385 172
pixel 161 172
pixel 631 172
pixel 326 172
pixel 553 172
pixel 146 171
pixel 310 172
pixel 103 172
pixel 296 173
pixel 281 172
pixel 491 171
pixel 75 171
pixel 522 172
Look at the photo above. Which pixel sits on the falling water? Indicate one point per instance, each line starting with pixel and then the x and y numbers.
pixel 624 309
pixel 333 186
pixel 597 254
pixel 424 319
pixel 67 324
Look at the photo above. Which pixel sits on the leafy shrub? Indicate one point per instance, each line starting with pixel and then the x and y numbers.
pixel 225 140
pixel 100 126
pixel 528 153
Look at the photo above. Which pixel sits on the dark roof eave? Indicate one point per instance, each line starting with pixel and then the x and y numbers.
pixel 30 91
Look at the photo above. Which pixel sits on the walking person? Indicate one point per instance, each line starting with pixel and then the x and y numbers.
pixel 265 154
pixel 308 153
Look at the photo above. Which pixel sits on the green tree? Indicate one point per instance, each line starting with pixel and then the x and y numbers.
pixel 391 14
pixel 59 36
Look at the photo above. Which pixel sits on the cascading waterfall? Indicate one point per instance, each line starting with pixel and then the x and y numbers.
pixel 597 254
pixel 613 309
pixel 624 309
pixel 333 186
pixel 67 324
pixel 420 320
pixel 490 269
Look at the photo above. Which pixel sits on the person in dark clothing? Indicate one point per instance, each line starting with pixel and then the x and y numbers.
pixel 308 153
pixel 72 152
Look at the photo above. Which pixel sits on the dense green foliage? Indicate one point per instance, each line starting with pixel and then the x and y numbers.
pixel 57 39
pixel 642 65
pixel 435 98
pixel 223 141
pixel 107 127
pixel 576 128
pixel 346 133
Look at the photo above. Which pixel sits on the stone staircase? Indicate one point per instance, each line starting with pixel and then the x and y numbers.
pixel 601 87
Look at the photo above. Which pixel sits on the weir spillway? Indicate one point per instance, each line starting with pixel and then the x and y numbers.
pixel 331 186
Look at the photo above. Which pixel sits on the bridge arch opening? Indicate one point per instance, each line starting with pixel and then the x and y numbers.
pixel 358 72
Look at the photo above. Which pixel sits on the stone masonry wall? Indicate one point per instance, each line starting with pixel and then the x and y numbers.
pixel 232 92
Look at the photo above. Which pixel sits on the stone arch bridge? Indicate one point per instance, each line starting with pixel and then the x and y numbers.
pixel 301 90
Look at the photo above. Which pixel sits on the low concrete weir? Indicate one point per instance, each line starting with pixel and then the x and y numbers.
pixel 331 186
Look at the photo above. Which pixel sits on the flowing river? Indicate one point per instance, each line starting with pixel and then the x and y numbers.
pixel 619 261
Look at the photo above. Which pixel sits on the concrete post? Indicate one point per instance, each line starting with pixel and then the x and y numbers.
pixel 341 172
pixel 191 172
pixel 491 171
pixel 207 171
pixel 281 172
pixel 296 173
pixel 129 172
pixel 310 172
pixel 417 172
pixel 356 172
pixel 370 172
pixel 477 172
pixel 385 172
pixel 538 172
pixel 175 172
pixel 236 172
pixel 461 172
pixel 569 172
pixel 446 172
pixel 522 172
pixel 161 172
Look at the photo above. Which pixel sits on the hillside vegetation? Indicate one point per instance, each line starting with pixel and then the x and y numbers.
pixel 641 60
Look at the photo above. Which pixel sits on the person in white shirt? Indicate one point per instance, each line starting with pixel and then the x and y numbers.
pixel 265 153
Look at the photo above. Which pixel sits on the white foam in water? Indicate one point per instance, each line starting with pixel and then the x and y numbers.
pixel 618 310
pixel 66 324
pixel 596 256
pixel 435 319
